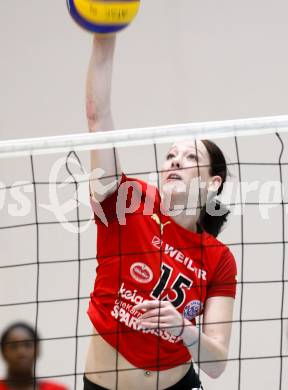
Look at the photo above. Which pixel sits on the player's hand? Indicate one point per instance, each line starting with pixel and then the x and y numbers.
pixel 160 315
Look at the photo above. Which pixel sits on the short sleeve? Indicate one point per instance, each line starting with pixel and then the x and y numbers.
pixel 3 385
pixel 224 278
pixel 49 385
pixel 126 199
pixel 106 211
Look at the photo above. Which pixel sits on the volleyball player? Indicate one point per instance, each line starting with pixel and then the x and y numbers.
pixel 158 268
pixel 20 349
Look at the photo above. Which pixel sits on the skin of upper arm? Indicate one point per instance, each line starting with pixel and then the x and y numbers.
pixel 98 108
pixel 217 319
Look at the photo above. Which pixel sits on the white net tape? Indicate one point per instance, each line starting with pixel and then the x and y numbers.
pixel 145 136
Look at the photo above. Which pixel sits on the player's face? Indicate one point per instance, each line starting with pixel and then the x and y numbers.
pixel 187 168
pixel 19 352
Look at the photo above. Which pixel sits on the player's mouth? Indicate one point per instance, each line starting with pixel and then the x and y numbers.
pixel 23 360
pixel 173 176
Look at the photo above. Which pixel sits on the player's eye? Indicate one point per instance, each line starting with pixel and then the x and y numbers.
pixel 29 344
pixel 169 156
pixel 192 156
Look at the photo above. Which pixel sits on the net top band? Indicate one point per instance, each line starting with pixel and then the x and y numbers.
pixel 144 136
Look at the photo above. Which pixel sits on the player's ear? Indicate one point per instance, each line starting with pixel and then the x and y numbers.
pixel 215 184
pixel 37 351
pixel 3 354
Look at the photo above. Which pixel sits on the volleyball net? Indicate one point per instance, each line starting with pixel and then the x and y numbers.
pixel 48 240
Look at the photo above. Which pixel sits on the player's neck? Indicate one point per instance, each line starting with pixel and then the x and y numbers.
pixel 188 222
pixel 175 205
pixel 16 380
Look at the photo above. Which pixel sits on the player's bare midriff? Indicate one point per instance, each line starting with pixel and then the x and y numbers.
pixel 103 362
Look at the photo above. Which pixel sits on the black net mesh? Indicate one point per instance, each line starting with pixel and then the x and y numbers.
pixel 48 244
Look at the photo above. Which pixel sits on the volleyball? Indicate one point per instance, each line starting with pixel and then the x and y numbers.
pixel 103 16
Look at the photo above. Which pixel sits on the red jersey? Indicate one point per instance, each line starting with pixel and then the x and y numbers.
pixel 41 385
pixel 144 255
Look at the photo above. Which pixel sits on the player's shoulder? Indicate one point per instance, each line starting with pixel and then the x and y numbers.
pixel 219 257
pixel 141 183
pixel 3 385
pixel 49 385
pixel 146 189
pixel 214 245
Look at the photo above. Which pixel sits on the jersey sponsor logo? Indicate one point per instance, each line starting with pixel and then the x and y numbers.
pixel 130 295
pixel 157 242
pixel 129 317
pixel 192 309
pixel 141 272
pixel 178 256
pixel 156 218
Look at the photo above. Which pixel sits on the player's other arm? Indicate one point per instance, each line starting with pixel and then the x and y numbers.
pixel 99 116
pixel 213 344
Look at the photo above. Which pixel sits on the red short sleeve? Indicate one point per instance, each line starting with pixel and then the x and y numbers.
pixel 106 211
pixel 126 199
pixel 3 385
pixel 43 385
pixel 224 279
pixel 47 385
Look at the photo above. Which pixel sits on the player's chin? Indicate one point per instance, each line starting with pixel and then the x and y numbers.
pixel 174 187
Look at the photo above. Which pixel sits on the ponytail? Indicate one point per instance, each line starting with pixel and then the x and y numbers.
pixel 214 214
pixel 212 223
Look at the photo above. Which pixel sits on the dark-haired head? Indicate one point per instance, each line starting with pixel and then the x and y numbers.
pixel 20 348
pixel 193 174
pixel 4 340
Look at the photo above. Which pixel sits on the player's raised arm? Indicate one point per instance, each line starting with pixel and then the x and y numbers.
pixel 98 109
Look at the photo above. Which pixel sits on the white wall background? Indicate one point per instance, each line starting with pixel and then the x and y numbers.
pixel 180 61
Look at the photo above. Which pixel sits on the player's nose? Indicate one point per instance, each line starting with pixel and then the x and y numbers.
pixel 176 162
